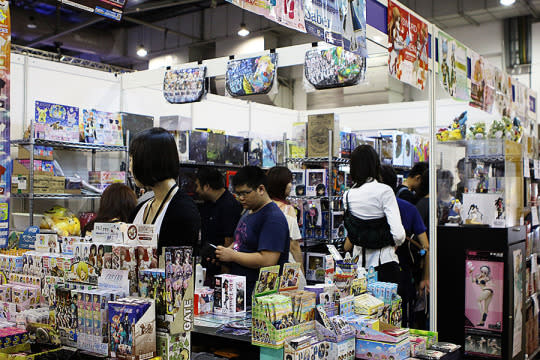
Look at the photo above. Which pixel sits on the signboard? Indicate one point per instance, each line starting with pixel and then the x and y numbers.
pixel 111 9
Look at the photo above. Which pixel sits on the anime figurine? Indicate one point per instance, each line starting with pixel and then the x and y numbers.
pixel 499 205
pixel 474 215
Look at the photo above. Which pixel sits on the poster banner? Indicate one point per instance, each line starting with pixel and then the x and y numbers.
pixel 531 105
pixel 519 99
pixel 289 13
pixel 453 67
pixel 408 46
pixel 101 127
pixel 517 273
pixel 5 160
pixel 484 290
pixel 251 76
pixel 334 67
pixel 503 95
pixel 482 83
pixel 182 86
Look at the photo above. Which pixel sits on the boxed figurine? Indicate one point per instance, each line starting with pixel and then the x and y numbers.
pixel 203 301
pixel 232 294
pixel 316 182
pixel 198 144
pixel 298 183
pixel 235 150
pixel 183 145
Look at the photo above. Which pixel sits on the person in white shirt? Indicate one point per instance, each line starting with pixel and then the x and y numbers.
pixel 371 200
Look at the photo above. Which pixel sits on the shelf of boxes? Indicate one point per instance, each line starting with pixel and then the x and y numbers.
pixel 63 145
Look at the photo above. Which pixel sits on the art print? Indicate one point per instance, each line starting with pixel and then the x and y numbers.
pixel 101 127
pixel 251 76
pixel 182 86
pixel 503 93
pixel 482 83
pixel 484 290
pixel 408 46
pixel 56 122
pixel 517 274
pixel 290 276
pixel 333 67
pixel 269 154
pixel 453 67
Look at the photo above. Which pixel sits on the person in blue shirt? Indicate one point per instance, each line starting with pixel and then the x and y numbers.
pixel 261 237
pixel 409 252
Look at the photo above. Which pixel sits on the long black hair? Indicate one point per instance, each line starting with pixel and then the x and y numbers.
pixel 365 164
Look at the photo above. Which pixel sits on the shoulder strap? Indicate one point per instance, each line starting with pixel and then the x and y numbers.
pixel 401 190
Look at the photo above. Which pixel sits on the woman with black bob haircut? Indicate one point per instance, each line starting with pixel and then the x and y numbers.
pixel 154 163
pixel 375 205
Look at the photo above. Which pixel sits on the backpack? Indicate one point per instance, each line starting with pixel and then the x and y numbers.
pixel 369 234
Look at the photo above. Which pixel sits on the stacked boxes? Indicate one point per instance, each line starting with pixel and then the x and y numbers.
pixel 230 294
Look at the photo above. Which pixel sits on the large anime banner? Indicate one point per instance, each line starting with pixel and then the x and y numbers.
pixel 334 67
pixel 251 76
pixel 185 85
pixel 408 46
pixel 5 161
pixel 453 67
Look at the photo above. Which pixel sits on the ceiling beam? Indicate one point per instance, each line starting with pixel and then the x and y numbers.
pixel 97 19
pixel 529 5
pixel 160 28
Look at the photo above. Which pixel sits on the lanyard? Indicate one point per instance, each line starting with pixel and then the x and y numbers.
pixel 160 206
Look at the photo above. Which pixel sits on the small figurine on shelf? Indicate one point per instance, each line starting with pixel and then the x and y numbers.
pixel 499 205
pixel 456 131
pixel 474 215
pixel 442 134
pixel 478 131
pixel 480 173
pixel 497 130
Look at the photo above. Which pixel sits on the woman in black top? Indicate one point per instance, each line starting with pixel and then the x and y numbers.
pixel 155 164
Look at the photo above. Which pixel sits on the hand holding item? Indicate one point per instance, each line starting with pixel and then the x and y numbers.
pixel 225 254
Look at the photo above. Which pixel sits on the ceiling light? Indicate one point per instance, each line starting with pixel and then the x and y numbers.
pixel 244 31
pixel 507 2
pixel 31 23
pixel 141 51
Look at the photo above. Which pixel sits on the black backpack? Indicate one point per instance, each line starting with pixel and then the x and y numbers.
pixel 369 234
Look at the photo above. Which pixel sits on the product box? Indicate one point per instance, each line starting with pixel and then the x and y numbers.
pixel 179 285
pixel 367 349
pixel 255 155
pixel 198 144
pixel 215 151
pixel 407 151
pixel 235 150
pixel 203 301
pixel 106 177
pixel 174 347
pixel 101 127
pixel 182 141
pixel 315 267
pixel 56 122
pixel 40 152
pixel 132 328
pixel 317 135
pixel 397 157
pixel 306 347
pixel 298 183
pixel 316 182
pixel 232 294
pixel 345 142
pixel 269 154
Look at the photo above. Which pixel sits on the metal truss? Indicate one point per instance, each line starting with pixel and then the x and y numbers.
pixel 41 54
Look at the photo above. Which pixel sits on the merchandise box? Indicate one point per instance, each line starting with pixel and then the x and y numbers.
pixel 182 142
pixel 255 155
pixel 367 349
pixel 398 157
pixel 106 177
pixel 232 294
pixel 298 183
pixel 269 154
pixel 345 145
pixel 316 182
pixel 101 127
pixel 235 150
pixel 295 151
pixel 203 301
pixel 132 328
pixel 40 152
pixel 306 347
pixel 376 330
pixel 198 144
pixel 318 138
pixel 407 150
pixel 418 345
pixel 343 350
pixel 56 122
pixel 174 347
pixel 217 144
pixel 431 337
pixel 266 335
pixel 315 267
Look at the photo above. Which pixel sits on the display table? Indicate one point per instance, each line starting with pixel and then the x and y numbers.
pixel 210 324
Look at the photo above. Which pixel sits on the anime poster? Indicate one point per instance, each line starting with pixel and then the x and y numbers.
pixel 517 273
pixel 531 104
pixel 289 13
pixel 251 76
pixel 482 83
pixel 56 122
pixel 503 93
pixel 453 67
pixel 408 46
pixel 101 127
pixel 323 20
pixel 484 289
pixel 519 99
pixel 182 86
pixel 333 67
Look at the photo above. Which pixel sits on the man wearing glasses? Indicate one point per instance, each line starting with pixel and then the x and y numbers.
pixel 262 236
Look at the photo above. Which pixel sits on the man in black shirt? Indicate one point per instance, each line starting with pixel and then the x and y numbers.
pixel 411 184
pixel 219 216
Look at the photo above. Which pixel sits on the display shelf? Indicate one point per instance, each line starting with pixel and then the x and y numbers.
pixel 57 196
pixel 314 197
pixel 486 158
pixel 209 164
pixel 64 145
pixel 335 160
pixel 315 242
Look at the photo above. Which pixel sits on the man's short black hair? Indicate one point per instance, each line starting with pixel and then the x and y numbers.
pixel 155 156
pixel 365 164
pixel 423 189
pixel 251 176
pixel 388 176
pixel 418 169
pixel 211 177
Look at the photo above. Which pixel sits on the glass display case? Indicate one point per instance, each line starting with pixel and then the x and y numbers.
pixel 480 182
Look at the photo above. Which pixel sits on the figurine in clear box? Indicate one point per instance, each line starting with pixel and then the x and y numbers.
pixel 474 215
pixel 499 206
pixel 448 207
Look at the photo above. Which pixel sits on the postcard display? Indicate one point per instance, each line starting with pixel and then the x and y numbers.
pixel 104 294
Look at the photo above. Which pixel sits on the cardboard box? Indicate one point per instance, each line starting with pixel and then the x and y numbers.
pixel 40 153
pixel 367 349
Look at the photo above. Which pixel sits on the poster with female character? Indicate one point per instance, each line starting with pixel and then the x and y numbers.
pixel 482 83
pixel 408 46
pixel 186 85
pixel 251 76
pixel 453 67
pixel 484 289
